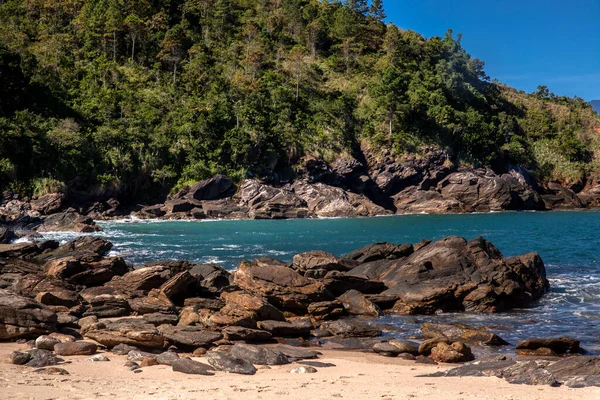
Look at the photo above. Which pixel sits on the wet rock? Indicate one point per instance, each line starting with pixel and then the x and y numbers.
pixel 45 342
pixel 303 370
pixel 453 274
pixel 22 317
pixel 167 358
pixel 228 363
pixel 75 349
pixel 281 286
pixel 189 366
pixel 456 352
pixel 461 332
pixel 123 349
pixel 351 328
pixel 297 328
pixel 67 221
pixel 386 349
pixel 356 303
pixel 561 345
pixel 258 355
pixel 246 334
pixel 19 357
pixel 192 336
pixel 326 310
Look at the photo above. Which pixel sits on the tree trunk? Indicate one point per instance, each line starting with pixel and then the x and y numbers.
pixel 174 72
pixel 132 48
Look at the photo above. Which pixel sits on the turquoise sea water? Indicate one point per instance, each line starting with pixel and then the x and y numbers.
pixel 569 243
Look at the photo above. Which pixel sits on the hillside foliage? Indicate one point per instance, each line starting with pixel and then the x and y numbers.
pixel 148 95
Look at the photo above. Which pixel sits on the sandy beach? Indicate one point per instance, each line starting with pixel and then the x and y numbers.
pixel 341 374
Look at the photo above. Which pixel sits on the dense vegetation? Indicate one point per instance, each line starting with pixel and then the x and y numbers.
pixel 149 94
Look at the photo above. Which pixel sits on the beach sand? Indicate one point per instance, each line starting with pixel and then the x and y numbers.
pixel 353 375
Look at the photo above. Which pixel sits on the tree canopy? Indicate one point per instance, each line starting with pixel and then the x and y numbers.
pixel 149 95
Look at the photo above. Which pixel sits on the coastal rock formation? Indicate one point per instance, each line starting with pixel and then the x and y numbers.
pixel 23 317
pixel 267 202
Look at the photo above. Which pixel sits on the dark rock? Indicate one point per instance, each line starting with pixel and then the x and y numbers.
pixel 217 187
pixel 67 298
pixel 326 310
pixel 461 332
pixel 351 328
pixel 356 303
pixel 180 205
pixel 86 249
pixel 201 302
pixel 138 355
pixel 379 251
pixel 246 334
pixel 6 235
pixel 405 346
pixel 123 349
pixel 337 284
pixel 49 203
pixel 75 349
pixel 22 317
pixel 317 260
pixel 157 319
pixel 189 366
pixel 167 358
pixel 297 328
pixel 296 353
pixel 228 363
pixel 258 355
pixel 19 358
pixel 42 358
pixel 192 336
pixel 211 277
pixel 425 360
pixel 180 286
pixel 51 371
pixel 561 345
pixel 68 221
pixel 453 274
pixel 386 349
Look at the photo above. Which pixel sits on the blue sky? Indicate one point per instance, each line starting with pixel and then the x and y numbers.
pixel 523 43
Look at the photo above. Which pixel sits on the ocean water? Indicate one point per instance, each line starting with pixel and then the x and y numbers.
pixel 569 243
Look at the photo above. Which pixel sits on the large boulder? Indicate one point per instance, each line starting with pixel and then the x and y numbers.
pixel 268 202
pixel 228 363
pixel 190 336
pixel 217 187
pixel 189 366
pixel 84 249
pixel 379 251
pixel 549 346
pixel 281 286
pixel 48 204
pixel 68 221
pixel 356 303
pixel 454 275
pixel 212 278
pixel 258 355
pixel 21 317
pixel 138 334
pixel 142 280
pixel 329 201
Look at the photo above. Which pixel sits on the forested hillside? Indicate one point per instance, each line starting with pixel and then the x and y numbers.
pixel 133 95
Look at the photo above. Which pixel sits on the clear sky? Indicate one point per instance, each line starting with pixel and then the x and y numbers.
pixel 524 43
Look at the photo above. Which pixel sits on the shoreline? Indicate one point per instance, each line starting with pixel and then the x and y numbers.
pixel 354 375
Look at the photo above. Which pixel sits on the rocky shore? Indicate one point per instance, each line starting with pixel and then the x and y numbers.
pixel 73 300
pixel 347 187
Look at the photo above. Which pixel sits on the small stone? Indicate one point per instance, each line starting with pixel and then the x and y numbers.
pixel 45 342
pixel 98 357
pixel 130 364
pixel 51 371
pixel 167 358
pixel 199 352
pixel 137 370
pixel 19 358
pixel 123 349
pixel 303 370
